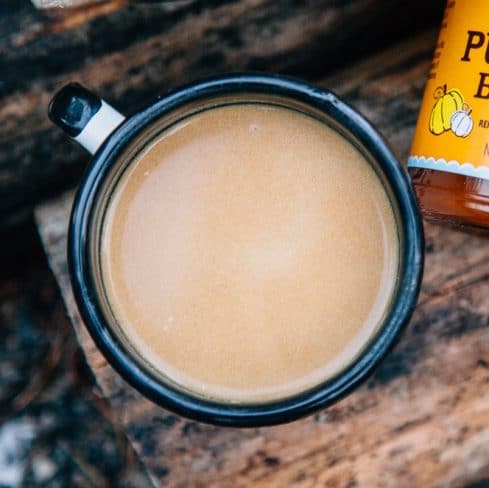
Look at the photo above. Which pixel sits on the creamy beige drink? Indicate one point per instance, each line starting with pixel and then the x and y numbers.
pixel 249 253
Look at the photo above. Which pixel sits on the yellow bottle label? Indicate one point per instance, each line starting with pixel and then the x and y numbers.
pixel 452 133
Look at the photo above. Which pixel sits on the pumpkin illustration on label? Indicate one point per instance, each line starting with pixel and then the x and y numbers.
pixel 447 103
pixel 461 122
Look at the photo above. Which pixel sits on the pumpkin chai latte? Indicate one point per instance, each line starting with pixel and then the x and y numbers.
pixel 249 253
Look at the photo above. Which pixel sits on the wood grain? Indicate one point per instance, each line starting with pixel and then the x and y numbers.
pixel 421 421
pixel 129 52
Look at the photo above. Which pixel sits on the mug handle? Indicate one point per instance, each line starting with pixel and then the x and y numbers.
pixel 84 116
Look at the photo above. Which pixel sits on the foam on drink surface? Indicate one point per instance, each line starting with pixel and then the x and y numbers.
pixel 249 253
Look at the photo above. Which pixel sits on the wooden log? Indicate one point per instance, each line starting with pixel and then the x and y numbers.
pixel 130 52
pixel 421 421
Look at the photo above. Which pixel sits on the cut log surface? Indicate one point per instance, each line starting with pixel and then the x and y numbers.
pixel 421 421
pixel 131 51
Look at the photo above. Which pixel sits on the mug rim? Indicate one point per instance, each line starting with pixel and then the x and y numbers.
pixel 332 389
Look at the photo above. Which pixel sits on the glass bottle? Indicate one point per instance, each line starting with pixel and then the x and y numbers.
pixel 449 162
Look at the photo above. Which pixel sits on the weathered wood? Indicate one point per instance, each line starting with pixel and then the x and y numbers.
pixel 56 4
pixel 421 421
pixel 129 52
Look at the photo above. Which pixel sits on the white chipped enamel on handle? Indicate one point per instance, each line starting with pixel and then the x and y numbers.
pixel 100 126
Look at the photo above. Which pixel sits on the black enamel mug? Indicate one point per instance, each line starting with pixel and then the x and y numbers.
pixel 107 134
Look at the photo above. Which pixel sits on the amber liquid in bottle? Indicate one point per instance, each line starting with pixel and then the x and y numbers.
pixel 450 197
